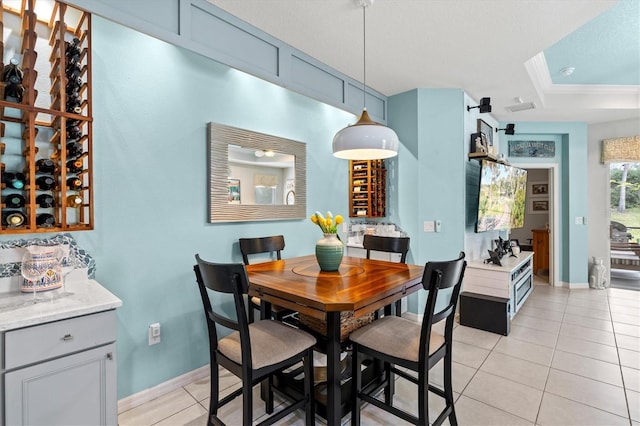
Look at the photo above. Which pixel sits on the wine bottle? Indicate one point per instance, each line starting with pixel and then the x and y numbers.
pixel 74 132
pixel 14 201
pixel 74 109
pixel 14 180
pixel 74 83
pixel 45 220
pixel 12 70
pixel 44 165
pixel 72 122
pixel 74 166
pixel 74 200
pixel 13 218
pixel 45 183
pixel 74 183
pixel 15 91
pixel 45 201
pixel 74 149
pixel 73 69
pixel 73 96
pixel 75 106
pixel 72 48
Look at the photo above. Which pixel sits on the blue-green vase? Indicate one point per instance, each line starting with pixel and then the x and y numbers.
pixel 329 251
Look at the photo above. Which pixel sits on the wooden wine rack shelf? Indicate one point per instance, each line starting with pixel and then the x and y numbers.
pixel 51 120
pixel 367 188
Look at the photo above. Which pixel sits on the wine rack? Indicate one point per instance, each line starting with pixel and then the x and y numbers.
pixel 46 120
pixel 367 188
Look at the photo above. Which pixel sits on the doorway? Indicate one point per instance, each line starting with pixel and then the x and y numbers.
pixel 541 215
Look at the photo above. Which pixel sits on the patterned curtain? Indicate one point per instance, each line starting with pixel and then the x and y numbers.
pixel 621 149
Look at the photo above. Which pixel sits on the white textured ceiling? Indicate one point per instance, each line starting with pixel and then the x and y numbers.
pixel 488 48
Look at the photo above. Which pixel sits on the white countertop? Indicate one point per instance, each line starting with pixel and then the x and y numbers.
pixel 508 262
pixel 80 297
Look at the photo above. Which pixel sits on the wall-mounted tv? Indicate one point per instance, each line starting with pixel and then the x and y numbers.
pixel 501 199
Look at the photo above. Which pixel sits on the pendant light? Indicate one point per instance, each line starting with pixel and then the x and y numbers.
pixel 366 139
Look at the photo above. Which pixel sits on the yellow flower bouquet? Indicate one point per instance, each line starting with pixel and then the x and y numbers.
pixel 329 250
pixel 328 224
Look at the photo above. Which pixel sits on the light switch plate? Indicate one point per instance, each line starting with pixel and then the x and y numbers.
pixel 429 226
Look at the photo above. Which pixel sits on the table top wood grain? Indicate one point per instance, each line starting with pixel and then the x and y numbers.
pixel 360 285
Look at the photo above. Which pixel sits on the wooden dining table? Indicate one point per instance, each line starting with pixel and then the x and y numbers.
pixel 360 286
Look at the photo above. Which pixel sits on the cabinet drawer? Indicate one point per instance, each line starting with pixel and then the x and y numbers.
pixel 50 340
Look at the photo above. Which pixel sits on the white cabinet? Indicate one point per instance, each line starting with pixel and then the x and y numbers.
pixel 513 280
pixel 62 372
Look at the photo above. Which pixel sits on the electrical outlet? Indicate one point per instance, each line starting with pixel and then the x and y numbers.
pixel 154 333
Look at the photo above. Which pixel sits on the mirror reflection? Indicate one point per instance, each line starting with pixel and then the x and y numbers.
pixel 260 176
pixel 255 176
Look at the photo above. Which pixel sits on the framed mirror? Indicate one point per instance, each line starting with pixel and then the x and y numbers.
pixel 254 176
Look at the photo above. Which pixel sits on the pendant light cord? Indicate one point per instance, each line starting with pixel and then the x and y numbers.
pixel 364 54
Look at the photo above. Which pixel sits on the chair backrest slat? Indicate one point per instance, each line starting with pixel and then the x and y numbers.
pixel 249 246
pixel 386 244
pixel 224 278
pixel 439 276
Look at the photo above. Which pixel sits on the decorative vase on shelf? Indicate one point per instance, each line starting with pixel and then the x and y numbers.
pixel 329 251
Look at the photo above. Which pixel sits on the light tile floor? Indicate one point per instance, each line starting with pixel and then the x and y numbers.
pixel 572 358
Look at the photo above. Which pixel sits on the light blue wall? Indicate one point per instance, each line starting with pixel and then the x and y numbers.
pixel 151 103
pixel 430 174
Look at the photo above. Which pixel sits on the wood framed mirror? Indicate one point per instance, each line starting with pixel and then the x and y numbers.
pixel 254 176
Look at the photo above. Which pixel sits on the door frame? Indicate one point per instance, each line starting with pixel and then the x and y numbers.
pixel 554 217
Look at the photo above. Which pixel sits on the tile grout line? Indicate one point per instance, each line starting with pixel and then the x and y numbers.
pixel 615 339
pixel 553 354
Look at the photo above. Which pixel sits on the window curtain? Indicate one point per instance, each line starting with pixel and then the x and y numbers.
pixel 621 149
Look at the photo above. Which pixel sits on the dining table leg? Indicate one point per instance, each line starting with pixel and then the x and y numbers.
pixel 334 390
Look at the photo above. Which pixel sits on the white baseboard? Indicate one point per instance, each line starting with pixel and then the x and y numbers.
pixel 578 286
pixel 411 316
pixel 147 395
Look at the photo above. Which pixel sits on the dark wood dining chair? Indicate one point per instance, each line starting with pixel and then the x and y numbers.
pixel 399 245
pixel 253 351
pixel 262 245
pixel 399 342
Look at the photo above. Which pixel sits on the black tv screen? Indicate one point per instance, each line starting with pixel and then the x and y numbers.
pixel 501 199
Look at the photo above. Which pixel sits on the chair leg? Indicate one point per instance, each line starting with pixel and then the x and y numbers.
pixel 356 383
pixel 268 391
pixel 214 389
pixel 390 389
pixel 423 398
pixel 251 312
pixel 310 415
pixel 448 388
pixel 399 308
pixel 247 401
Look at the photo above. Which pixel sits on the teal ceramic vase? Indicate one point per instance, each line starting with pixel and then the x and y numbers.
pixel 329 251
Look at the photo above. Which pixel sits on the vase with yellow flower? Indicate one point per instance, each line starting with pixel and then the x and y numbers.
pixel 329 249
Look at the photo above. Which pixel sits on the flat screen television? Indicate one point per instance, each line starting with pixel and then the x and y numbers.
pixel 501 199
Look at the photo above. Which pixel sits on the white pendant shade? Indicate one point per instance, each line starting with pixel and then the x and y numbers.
pixel 365 140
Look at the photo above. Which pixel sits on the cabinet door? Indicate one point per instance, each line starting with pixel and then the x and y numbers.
pixel 78 389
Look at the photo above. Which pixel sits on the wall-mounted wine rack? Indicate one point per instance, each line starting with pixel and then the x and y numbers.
pixel 45 118
pixel 367 188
